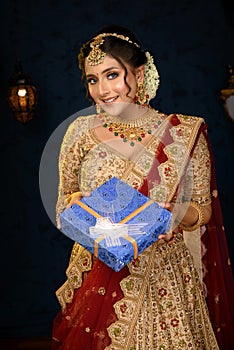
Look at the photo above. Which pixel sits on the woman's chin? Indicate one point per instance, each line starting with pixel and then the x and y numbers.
pixel 118 109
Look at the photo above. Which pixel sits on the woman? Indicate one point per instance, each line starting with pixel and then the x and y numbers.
pixel 156 301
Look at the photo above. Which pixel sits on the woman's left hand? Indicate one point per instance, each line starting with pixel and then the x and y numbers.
pixel 168 237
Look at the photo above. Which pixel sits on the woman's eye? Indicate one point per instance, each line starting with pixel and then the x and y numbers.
pixel 112 75
pixel 91 81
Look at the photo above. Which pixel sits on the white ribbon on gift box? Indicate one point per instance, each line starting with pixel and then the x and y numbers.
pixel 111 232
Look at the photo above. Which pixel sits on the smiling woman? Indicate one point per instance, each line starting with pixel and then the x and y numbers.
pixel 156 301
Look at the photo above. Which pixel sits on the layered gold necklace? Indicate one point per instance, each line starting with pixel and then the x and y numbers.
pixel 132 131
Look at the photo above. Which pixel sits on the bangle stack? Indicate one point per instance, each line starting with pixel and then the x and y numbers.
pixel 199 221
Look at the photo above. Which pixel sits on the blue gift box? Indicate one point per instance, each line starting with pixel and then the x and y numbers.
pixel 144 220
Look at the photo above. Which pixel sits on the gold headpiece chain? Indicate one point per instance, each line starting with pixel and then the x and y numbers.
pixel 96 55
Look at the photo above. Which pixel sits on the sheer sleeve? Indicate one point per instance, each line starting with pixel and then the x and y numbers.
pixel 75 145
pixel 199 173
pixel 71 155
pixel 197 190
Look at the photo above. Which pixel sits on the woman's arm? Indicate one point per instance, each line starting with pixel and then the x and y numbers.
pixel 70 158
pixel 199 210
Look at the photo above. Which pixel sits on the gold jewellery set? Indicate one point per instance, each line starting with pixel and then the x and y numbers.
pixel 132 131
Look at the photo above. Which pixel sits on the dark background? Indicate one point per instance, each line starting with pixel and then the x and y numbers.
pixel 192 42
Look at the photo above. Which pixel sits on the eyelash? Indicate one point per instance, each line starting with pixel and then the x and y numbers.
pixel 110 76
pixel 91 81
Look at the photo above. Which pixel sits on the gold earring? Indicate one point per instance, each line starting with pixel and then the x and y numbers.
pixel 141 98
pixel 99 109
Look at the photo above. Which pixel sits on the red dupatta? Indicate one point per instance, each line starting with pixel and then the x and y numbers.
pixel 218 276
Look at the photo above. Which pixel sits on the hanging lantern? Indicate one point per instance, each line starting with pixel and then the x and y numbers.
pixel 227 94
pixel 22 96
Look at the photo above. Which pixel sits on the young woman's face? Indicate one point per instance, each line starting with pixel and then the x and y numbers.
pixel 106 82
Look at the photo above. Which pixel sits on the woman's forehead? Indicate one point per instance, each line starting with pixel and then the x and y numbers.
pixel 109 62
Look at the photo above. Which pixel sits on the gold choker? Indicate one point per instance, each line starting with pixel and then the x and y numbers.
pixel 131 131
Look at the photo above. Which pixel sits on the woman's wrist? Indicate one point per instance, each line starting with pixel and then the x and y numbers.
pixel 194 217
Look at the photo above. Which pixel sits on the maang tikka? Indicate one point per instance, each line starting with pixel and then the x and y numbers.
pixel 96 55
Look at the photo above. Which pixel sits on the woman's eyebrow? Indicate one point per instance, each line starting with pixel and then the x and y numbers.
pixel 110 68
pixel 103 72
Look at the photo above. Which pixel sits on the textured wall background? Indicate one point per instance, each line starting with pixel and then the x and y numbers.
pixel 192 41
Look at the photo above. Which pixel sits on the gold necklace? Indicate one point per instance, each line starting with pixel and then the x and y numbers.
pixel 131 131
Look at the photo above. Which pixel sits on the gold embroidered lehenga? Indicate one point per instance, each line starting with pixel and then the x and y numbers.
pixel 157 301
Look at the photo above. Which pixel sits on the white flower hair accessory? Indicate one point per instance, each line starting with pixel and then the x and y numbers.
pixel 151 77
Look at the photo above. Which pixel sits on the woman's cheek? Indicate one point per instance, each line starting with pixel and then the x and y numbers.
pixel 119 87
pixel 92 92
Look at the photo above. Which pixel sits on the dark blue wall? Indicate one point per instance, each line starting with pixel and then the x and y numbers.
pixel 192 41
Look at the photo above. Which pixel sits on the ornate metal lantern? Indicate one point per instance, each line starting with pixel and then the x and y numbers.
pixel 22 95
pixel 227 95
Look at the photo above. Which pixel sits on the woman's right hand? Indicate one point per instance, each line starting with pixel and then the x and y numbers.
pixel 71 199
pixel 75 197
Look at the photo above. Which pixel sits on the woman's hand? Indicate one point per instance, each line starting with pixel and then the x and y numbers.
pixel 168 237
pixel 72 199
pixel 75 197
pixel 168 206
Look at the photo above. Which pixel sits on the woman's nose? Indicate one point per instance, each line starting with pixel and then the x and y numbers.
pixel 103 87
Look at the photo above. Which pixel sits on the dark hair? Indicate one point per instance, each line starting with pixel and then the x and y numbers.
pixel 121 50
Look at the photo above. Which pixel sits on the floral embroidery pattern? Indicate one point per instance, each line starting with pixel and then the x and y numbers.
pixel 163 325
pixel 123 308
pixel 162 347
pixel 114 294
pixel 174 322
pixel 101 291
pixel 187 278
pixel 117 332
pixel 136 262
pixel 129 285
pixel 167 171
pixel 179 132
pixel 162 292
pixel 102 154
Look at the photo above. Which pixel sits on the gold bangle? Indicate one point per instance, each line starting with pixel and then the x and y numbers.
pixel 199 221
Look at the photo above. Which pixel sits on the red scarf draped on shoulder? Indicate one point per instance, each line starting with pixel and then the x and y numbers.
pixel 218 271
